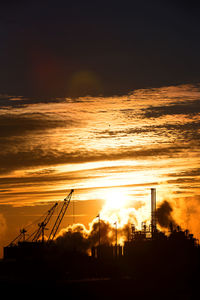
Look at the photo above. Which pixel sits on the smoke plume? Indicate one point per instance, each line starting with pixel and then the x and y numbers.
pixel 164 215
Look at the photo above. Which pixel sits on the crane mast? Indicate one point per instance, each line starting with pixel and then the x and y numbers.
pixel 19 237
pixel 60 216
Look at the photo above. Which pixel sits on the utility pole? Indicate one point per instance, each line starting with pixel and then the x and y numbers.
pixel 115 238
pixel 73 212
pixel 98 216
pixel 116 232
pixel 99 231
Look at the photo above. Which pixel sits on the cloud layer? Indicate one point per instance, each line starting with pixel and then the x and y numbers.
pixel 149 138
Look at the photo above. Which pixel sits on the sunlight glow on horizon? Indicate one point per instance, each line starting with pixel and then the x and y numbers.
pixel 106 149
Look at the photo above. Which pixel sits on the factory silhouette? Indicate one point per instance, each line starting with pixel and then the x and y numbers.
pixel 150 262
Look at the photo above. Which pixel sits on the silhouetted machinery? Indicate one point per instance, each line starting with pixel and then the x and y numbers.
pixel 42 226
pixel 60 216
pixel 33 242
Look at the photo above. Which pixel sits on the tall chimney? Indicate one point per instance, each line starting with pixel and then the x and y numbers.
pixel 153 210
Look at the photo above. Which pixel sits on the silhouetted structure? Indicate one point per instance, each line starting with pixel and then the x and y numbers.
pixel 33 245
pixel 107 252
pixel 148 260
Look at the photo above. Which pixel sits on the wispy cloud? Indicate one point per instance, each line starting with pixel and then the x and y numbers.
pixel 38 156
pixel 178 108
pixel 25 123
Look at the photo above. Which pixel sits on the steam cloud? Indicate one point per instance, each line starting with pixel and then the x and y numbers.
pixel 79 238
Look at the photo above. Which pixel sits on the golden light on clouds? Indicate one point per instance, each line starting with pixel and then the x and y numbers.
pixel 111 151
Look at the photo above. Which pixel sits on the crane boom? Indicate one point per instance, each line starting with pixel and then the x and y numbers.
pixel 43 224
pixel 60 216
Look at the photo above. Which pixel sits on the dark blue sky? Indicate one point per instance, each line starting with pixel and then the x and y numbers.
pixel 107 47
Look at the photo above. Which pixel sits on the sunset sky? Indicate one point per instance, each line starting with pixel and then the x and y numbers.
pixel 103 99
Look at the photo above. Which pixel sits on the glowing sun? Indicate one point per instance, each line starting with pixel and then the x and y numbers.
pixel 115 199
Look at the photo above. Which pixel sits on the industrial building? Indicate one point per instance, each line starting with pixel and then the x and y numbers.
pixel 139 242
pixel 149 259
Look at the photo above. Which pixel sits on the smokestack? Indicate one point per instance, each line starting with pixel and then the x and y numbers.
pixel 153 210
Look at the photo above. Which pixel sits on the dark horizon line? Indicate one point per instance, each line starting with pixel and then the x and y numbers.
pixel 105 93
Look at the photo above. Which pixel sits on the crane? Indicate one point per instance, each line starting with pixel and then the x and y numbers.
pixel 42 225
pixel 39 232
pixel 35 236
pixel 60 216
